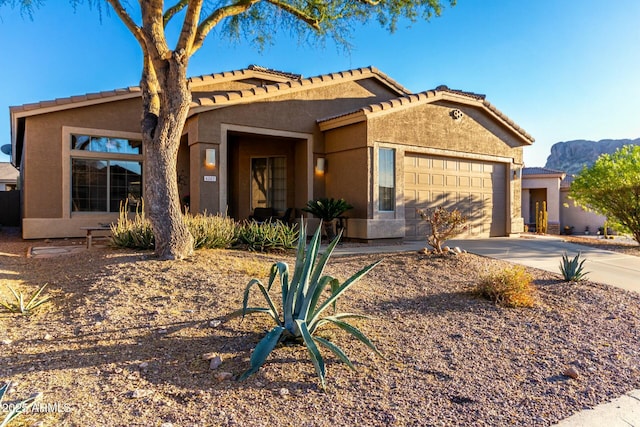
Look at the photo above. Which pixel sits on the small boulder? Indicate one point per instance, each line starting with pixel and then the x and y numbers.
pixel 571 372
pixel 223 376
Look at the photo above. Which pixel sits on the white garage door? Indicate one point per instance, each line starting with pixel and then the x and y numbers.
pixel 476 188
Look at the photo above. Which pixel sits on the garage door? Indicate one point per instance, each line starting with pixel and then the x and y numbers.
pixel 476 188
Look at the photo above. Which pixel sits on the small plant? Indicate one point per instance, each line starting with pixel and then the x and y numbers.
pixel 135 233
pixel 573 270
pixel 444 224
pixel 267 236
pixel 510 287
pixel 14 410
pixel 211 231
pixel 25 307
pixel 327 210
pixel 301 307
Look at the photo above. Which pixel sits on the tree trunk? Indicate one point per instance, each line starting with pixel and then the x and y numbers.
pixel 161 137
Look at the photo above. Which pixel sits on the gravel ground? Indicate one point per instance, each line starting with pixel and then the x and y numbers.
pixel 123 340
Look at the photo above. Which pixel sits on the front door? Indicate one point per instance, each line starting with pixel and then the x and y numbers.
pixel 269 183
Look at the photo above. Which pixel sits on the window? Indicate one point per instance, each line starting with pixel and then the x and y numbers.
pixel 268 183
pixel 105 173
pixel 386 179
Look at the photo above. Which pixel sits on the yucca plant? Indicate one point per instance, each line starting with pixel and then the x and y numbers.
pixel 267 236
pixel 25 307
pixel 211 231
pixel 573 270
pixel 301 307
pixel 135 233
pixel 18 408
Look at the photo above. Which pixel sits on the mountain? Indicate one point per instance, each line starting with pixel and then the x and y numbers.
pixel 571 156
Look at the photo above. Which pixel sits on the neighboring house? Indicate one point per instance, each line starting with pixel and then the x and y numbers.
pixel 563 215
pixel 575 219
pixel 8 177
pixel 263 138
pixel 541 185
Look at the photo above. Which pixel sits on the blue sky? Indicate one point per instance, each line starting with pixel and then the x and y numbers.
pixel 561 69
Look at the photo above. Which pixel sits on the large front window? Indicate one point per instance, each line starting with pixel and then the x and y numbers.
pixel 386 179
pixel 105 173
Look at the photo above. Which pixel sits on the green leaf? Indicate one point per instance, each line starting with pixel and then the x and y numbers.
pixel 353 331
pixel 316 357
pixel 310 260
pixel 313 301
pixel 338 292
pixel 245 300
pixel 336 350
pixel 262 350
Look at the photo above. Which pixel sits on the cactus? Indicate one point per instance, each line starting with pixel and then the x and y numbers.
pixel 542 218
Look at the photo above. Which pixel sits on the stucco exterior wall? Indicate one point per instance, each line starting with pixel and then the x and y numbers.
pixel 574 216
pixel 44 165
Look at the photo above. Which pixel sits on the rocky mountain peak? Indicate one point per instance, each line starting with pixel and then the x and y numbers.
pixel 572 156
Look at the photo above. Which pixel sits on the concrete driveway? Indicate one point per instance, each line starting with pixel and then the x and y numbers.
pixel 545 253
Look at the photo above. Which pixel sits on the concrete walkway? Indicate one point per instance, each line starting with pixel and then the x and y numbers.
pixel 545 253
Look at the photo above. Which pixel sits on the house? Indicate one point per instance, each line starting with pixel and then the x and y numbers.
pixel 8 177
pixel 574 219
pixel 563 215
pixel 259 137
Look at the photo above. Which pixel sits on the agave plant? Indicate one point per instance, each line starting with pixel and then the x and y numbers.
pixel 18 408
pixel 573 270
pixel 25 307
pixel 301 308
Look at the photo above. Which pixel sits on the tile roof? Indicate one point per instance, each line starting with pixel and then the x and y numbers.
pixel 541 171
pixel 430 96
pixel 135 91
pixel 247 95
pixel 8 172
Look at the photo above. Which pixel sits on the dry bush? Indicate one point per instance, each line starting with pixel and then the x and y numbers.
pixel 510 287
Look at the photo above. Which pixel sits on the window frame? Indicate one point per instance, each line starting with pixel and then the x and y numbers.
pixel 394 168
pixel 69 154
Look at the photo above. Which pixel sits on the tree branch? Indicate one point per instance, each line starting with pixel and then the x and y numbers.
pixel 189 28
pixel 153 28
pixel 312 21
pixel 218 15
pixel 128 22
pixel 173 10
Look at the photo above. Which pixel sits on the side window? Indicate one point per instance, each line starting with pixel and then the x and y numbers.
pixel 386 179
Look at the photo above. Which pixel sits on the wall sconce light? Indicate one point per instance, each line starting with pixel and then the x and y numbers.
pixel 517 173
pixel 210 157
pixel 320 165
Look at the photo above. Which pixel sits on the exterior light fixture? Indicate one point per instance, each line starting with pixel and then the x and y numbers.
pixel 210 157
pixel 320 165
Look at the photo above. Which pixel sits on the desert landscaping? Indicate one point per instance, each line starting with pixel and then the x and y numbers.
pixel 127 340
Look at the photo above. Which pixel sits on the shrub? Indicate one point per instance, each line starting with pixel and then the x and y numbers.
pixel 211 231
pixel 444 225
pixel 510 287
pixel 573 270
pixel 135 233
pixel 22 307
pixel 327 209
pixel 14 410
pixel 267 236
pixel 301 309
